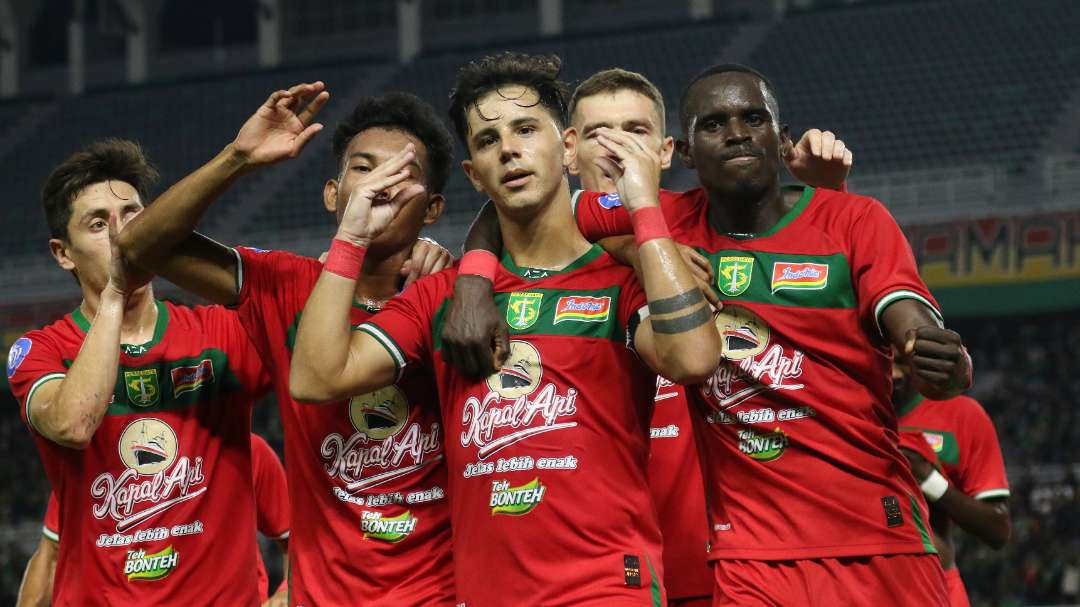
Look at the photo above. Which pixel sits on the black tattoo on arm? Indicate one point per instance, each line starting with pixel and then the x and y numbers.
pixel 682 324
pixel 676 303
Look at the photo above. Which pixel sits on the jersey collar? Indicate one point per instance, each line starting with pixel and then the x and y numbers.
pixel 131 349
pixel 910 405
pixel 537 273
pixel 796 210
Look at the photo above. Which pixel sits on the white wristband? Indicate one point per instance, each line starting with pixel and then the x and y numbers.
pixel 934 486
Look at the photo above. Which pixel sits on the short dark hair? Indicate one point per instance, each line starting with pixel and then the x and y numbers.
pixel 104 160
pixel 478 78
pixel 724 68
pixel 614 80
pixel 408 113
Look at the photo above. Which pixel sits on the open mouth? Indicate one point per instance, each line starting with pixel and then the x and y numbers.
pixel 516 178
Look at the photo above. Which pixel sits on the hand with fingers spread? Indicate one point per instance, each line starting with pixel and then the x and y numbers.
pixel 282 126
pixel 939 363
pixel 375 200
pixel 124 279
pixel 820 160
pixel 633 167
pixel 427 257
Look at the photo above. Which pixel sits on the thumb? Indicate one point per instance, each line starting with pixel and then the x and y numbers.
pixel 909 342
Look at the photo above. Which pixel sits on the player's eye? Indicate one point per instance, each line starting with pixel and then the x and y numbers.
pixel 362 168
pixel 98 224
pixel 755 120
pixel 640 130
pixel 485 142
pixel 526 130
pixel 711 125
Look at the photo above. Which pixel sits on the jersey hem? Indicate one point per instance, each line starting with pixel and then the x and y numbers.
pixel 44 379
pixel 816 552
pixel 388 344
pixel 894 296
pixel 990 494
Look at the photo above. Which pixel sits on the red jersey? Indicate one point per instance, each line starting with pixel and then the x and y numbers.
pixel 962 437
pixel 271 500
pixel 796 427
pixel 367 476
pixel 271 503
pixel 150 515
pixel 548 456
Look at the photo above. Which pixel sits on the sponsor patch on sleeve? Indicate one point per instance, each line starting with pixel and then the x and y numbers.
pixel 17 354
pixel 609 201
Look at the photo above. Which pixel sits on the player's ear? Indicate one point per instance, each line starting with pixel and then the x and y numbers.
pixel 436 205
pixel 683 148
pixel 570 142
pixel 470 172
pixel 667 149
pixel 330 195
pixel 59 251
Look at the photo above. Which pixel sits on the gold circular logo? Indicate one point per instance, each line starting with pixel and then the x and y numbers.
pixel 742 333
pixel 521 372
pixel 148 446
pixel 379 414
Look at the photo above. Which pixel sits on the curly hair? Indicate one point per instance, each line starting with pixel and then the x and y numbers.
pixel 478 78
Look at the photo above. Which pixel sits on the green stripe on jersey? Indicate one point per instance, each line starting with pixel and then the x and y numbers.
pixel 782 279
pixel 654 587
pixel 591 313
pixel 172 384
pixel 924 534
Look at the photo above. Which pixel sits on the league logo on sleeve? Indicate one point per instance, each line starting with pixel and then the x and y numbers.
pixel 17 354
pixel 609 201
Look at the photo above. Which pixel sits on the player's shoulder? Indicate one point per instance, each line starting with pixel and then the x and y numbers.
pixel 276 258
pixel 962 408
pixel 57 335
pixel 438 284
pixel 844 206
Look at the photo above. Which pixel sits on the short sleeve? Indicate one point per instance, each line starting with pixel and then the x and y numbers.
pixel 600 215
pixel 981 471
pixel 404 326
pixel 33 360
pixel 271 490
pixel 272 288
pixel 51 527
pixel 883 267
pixel 633 307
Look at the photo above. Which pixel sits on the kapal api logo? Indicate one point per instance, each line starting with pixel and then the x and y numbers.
pixel 751 363
pixel 154 480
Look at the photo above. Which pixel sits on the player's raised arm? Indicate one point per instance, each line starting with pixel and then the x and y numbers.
pixel 679 340
pixel 69 411
pixel 473 329
pixel 329 360
pixel 163 240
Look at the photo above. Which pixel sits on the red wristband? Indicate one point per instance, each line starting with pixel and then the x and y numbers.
pixel 344 259
pixel 649 224
pixel 479 262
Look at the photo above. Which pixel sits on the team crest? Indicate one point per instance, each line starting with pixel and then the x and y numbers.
pixel 733 275
pixel 742 333
pixel 520 374
pixel 142 387
pixel 379 414
pixel 523 309
pixel 148 446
